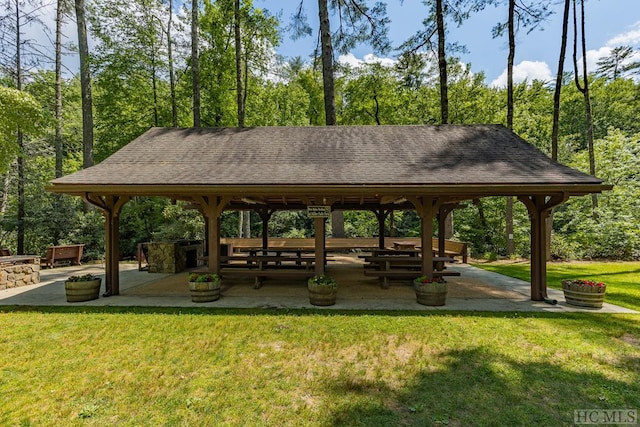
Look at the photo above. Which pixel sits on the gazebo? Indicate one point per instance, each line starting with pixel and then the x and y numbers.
pixel 427 168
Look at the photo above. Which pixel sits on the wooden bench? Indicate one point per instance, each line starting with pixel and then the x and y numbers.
pixel 404 274
pixel 260 275
pixel 72 253
pixel 5 252
pixel 453 248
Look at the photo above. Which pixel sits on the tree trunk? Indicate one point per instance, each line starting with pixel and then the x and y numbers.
pixel 442 64
pixel 195 73
pixel 58 94
pixel 238 46
pixel 20 228
pixel 327 64
pixel 558 88
pixel 510 59
pixel 85 83
pixel 172 75
pixel 444 88
pixel 337 217
pixel 584 88
pixel 247 224
pixel 556 112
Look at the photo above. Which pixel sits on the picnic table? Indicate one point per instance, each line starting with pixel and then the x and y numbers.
pixel 405 266
pixel 262 266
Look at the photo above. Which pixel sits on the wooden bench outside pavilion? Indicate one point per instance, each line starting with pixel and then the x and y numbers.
pixel 70 253
pixel 431 170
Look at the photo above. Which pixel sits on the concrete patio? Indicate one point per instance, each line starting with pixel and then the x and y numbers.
pixel 474 290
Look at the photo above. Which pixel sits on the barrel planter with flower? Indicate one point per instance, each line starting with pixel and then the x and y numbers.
pixel 323 290
pixel 430 291
pixel 204 287
pixel 82 288
pixel 584 293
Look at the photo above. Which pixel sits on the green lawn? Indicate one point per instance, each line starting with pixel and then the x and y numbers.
pixel 184 367
pixel 622 278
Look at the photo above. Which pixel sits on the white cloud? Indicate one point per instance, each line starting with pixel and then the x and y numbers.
pixel 350 60
pixel 525 70
pixel 631 37
pixel 593 56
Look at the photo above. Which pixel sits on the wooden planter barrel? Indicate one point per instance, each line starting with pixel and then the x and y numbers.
pixel 322 295
pixel 205 291
pixel 434 294
pixel 583 296
pixel 82 291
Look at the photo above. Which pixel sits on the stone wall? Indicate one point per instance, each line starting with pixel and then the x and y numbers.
pixel 12 276
pixel 171 257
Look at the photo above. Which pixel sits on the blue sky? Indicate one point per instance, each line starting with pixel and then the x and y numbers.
pixel 609 23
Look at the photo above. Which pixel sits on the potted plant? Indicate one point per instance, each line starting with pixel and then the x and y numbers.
pixel 584 293
pixel 204 287
pixel 82 288
pixel 430 291
pixel 323 290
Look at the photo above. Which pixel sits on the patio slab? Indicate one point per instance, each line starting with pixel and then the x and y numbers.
pixel 474 290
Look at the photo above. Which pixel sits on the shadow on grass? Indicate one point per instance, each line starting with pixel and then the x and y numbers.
pixel 481 388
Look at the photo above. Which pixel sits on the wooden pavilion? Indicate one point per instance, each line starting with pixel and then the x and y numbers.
pixel 380 168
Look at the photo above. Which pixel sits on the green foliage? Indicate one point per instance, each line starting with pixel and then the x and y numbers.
pixel 89 229
pixel 614 230
pixel 179 223
pixel 20 111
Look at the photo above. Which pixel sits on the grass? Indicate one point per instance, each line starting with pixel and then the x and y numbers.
pixel 622 278
pixel 180 367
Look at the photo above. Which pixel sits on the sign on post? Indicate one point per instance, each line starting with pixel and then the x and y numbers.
pixel 319 211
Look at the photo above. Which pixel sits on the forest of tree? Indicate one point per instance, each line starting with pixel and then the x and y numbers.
pixel 213 63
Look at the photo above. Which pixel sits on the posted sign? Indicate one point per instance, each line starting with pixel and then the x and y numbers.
pixel 319 211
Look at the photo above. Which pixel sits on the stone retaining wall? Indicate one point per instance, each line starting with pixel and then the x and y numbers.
pixel 12 276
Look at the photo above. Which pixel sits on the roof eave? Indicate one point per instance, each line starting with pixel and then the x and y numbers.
pixel 474 190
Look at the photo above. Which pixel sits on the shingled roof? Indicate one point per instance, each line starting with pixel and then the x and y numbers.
pixel 362 156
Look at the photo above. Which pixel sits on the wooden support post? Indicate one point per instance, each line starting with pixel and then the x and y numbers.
pixel 319 225
pixel 212 207
pixel 539 208
pixel 426 207
pixel 111 207
pixel 265 215
pixel 442 219
pixel 381 216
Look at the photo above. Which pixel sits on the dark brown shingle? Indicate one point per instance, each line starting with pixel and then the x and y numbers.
pixel 351 155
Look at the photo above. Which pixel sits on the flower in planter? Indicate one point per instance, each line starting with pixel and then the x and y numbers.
pixel 423 279
pixel 84 278
pixel 323 280
pixel 585 285
pixel 203 277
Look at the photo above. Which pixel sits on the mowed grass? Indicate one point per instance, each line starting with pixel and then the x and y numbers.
pixel 622 278
pixel 182 367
